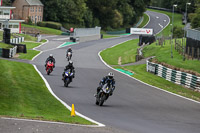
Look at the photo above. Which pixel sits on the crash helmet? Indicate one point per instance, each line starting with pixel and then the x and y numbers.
pixel 70 63
pixel 110 75
pixel 70 48
pixel 51 55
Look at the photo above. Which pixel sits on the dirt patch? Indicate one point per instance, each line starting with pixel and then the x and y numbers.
pixel 176 68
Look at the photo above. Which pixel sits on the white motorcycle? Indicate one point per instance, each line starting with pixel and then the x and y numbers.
pixel 69 56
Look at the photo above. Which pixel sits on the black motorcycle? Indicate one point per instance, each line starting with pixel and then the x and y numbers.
pixel 103 94
pixel 68 78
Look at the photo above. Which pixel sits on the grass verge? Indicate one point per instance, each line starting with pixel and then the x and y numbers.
pixel 111 55
pixel 163 54
pixel 4 45
pixel 145 21
pixel 24 95
pixel 30 53
pixel 44 30
pixel 126 51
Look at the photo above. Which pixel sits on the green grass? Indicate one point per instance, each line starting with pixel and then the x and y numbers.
pixel 24 95
pixel 145 21
pixel 126 51
pixel 108 36
pixel 177 21
pixel 143 75
pixel 4 45
pixel 30 53
pixel 163 54
pixel 44 30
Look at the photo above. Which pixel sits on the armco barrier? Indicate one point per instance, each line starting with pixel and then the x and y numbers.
pixel 178 77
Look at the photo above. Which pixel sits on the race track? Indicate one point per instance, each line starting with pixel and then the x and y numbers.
pixel 134 106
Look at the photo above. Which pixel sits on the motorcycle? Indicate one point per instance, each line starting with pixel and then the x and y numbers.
pixel 103 94
pixel 69 56
pixel 68 78
pixel 49 67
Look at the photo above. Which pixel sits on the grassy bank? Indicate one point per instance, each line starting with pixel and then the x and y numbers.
pixel 163 54
pixel 30 53
pixel 111 55
pixel 44 30
pixel 4 45
pixel 145 21
pixel 126 51
pixel 24 95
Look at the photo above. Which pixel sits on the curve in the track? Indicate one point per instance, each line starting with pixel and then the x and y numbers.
pixel 134 107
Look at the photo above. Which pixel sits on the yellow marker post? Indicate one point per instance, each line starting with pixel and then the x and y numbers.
pixel 73 111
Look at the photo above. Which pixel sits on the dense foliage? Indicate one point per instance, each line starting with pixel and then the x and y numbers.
pixel 89 13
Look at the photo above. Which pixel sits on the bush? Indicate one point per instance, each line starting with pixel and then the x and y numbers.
pixel 49 24
pixel 178 32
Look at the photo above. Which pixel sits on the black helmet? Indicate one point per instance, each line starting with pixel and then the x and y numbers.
pixel 110 75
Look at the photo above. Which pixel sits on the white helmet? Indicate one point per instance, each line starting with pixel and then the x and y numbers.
pixel 51 55
pixel 110 75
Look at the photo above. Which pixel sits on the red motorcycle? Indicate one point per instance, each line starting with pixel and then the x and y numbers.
pixel 49 67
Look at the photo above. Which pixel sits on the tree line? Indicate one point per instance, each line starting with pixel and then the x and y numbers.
pixel 109 14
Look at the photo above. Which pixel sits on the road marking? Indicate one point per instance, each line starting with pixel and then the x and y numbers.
pixel 50 122
pixel 62 38
pixel 160 25
pixel 67 106
pixel 66 44
pixel 124 71
pixel 148 21
pixel 140 80
pixel 41 44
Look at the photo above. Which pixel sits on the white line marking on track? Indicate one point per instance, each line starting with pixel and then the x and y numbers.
pixel 142 81
pixel 62 38
pixel 67 106
pixel 41 45
pixel 49 122
pixel 148 21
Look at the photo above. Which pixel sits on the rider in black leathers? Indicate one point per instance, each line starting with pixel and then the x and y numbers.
pixel 107 79
pixel 71 67
pixel 50 58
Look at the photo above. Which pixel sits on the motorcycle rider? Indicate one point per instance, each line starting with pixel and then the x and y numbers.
pixel 50 58
pixel 70 67
pixel 69 50
pixel 107 79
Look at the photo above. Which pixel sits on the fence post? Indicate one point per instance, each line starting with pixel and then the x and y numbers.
pixel 188 52
pixel 192 53
pixel 175 45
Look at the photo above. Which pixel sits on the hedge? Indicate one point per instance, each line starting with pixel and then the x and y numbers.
pixel 49 24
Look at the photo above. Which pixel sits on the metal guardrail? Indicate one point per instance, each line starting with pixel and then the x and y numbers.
pixel 194 34
pixel 178 77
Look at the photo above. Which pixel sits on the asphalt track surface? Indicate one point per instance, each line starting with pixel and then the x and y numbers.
pixel 134 106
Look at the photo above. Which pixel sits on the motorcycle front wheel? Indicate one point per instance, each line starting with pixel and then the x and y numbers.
pixel 102 99
pixel 49 71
